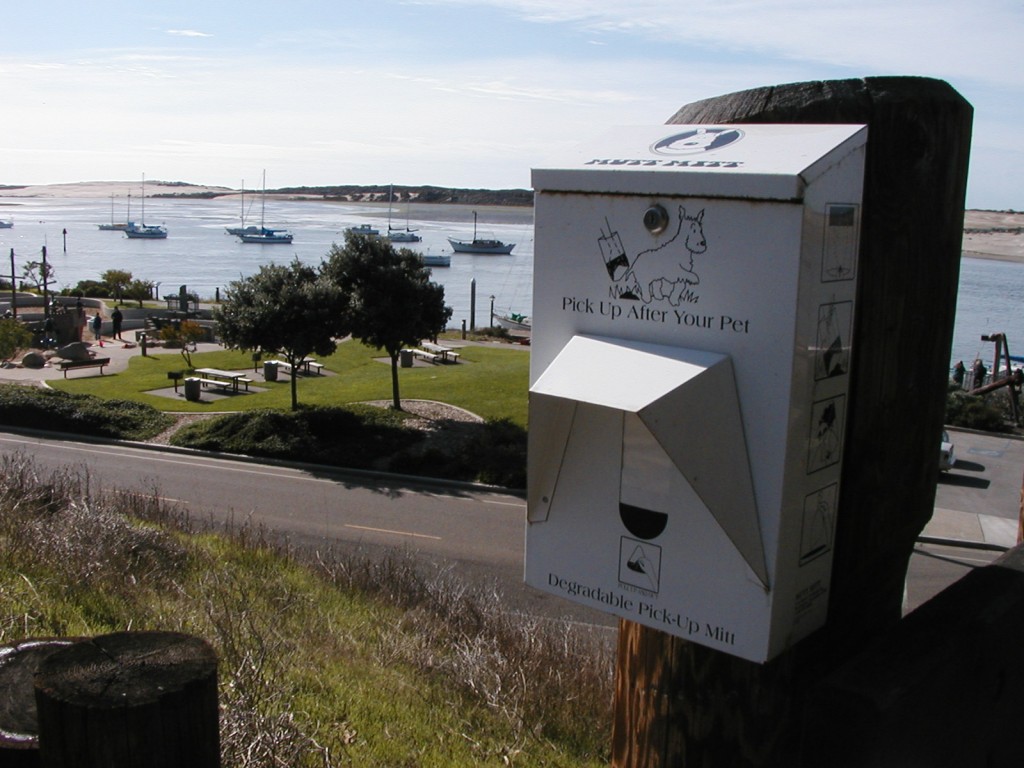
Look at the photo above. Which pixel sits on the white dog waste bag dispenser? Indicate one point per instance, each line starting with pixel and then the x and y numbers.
pixel 692 319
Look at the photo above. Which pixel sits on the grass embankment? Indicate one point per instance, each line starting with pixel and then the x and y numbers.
pixel 324 660
pixel 330 424
pixel 489 381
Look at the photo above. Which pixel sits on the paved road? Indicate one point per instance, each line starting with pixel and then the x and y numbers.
pixel 481 532
pixel 478 532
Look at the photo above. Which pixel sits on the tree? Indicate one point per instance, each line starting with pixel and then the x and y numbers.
pixel 139 290
pixel 117 280
pixel 37 273
pixel 286 310
pixel 184 334
pixel 13 336
pixel 391 302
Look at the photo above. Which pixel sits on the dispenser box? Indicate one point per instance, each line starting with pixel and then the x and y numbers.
pixel 693 307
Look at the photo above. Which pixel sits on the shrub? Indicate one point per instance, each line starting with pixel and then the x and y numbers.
pixel 94 288
pixel 499 453
pixel 974 412
pixel 38 408
pixel 356 437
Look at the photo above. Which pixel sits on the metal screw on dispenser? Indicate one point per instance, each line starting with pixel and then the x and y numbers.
pixel 656 219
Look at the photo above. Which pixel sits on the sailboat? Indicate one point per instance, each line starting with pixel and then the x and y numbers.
pixel 397 235
pixel 480 245
pixel 264 235
pixel 242 230
pixel 141 230
pixel 117 226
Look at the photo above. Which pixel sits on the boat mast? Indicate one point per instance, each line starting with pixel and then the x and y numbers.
pixel 263 200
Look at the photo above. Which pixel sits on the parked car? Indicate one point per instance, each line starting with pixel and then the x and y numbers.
pixel 947 455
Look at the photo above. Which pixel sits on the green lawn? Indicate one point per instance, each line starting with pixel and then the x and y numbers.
pixel 491 381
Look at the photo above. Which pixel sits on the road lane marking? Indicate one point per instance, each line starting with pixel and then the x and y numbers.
pixel 393 533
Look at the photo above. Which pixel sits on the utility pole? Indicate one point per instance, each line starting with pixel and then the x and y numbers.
pixel 46 299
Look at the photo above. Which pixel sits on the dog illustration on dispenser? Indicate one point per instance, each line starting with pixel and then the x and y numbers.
pixel 663 272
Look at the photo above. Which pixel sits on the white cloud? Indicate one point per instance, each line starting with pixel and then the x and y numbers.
pixel 187 33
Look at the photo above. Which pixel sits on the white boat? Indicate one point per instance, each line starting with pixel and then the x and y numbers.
pixel 118 226
pixel 406 235
pixel 363 229
pixel 142 231
pixel 263 234
pixel 437 259
pixel 269 236
pixel 242 230
pixel 513 322
pixel 480 245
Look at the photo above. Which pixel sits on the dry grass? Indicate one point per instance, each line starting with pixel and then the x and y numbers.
pixel 326 659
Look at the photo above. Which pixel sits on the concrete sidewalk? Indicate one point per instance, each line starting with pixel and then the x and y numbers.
pixel 119 352
pixel 966 528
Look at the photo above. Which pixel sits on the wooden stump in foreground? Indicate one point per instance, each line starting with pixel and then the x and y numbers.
pixel 129 699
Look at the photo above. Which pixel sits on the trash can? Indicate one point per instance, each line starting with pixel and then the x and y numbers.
pixel 405 357
pixel 192 388
pixel 269 370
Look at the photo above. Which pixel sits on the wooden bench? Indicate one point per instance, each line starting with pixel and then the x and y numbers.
pixel 308 366
pixel 424 355
pixel 225 385
pixel 95 362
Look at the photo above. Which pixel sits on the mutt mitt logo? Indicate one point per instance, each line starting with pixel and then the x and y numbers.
pixel 664 272
pixel 697 141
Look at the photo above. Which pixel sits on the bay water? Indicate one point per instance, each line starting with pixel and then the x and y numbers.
pixel 199 254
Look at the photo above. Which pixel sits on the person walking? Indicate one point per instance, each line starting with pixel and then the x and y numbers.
pixel 97 325
pixel 116 318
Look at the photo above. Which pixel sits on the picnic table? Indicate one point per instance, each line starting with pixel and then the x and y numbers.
pixel 447 354
pixel 307 364
pixel 224 378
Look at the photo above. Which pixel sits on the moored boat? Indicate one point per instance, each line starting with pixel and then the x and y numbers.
pixel 143 231
pixel 263 234
pixel 118 226
pixel 244 229
pixel 270 236
pixel 437 259
pixel 479 244
pixel 364 229
pixel 396 235
pixel 513 322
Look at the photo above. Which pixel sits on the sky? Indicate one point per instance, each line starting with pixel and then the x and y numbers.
pixel 452 93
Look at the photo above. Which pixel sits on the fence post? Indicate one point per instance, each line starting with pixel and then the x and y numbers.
pixel 129 699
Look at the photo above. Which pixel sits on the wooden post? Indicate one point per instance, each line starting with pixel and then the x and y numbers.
pixel 146 699
pixel 19 726
pixel 681 704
